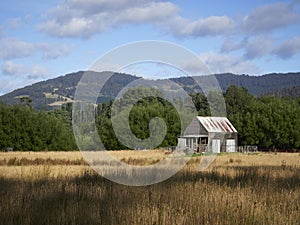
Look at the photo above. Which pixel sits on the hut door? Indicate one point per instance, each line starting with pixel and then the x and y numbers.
pixel 216 145
pixel 230 145
pixel 181 143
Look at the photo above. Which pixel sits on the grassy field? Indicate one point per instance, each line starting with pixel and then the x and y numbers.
pixel 60 188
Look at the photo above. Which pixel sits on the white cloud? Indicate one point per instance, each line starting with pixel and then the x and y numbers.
pixel 85 18
pixel 51 52
pixel 75 27
pixel 210 26
pixel 221 63
pixel 230 45
pixel 261 46
pixel 151 12
pixel 12 69
pixel 257 38
pixel 213 63
pixel 16 22
pixel 258 47
pixel 19 70
pixel 13 23
pixel 13 48
pixel 70 20
pixel 269 17
pixel 37 72
pixel 90 7
pixel 288 48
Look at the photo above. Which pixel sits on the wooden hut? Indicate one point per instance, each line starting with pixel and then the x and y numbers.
pixel 209 134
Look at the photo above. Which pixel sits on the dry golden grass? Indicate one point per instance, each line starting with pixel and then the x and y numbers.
pixel 34 172
pixel 43 155
pixel 270 159
pixel 24 164
pixel 259 159
pixel 236 189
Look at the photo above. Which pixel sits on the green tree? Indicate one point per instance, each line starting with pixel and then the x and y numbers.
pixel 23 128
pixel 201 104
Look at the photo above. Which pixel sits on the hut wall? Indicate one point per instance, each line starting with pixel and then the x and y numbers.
pixel 195 127
pixel 223 137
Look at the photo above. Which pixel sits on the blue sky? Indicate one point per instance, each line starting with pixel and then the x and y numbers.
pixel 44 39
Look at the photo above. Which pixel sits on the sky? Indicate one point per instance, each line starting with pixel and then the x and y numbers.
pixel 40 40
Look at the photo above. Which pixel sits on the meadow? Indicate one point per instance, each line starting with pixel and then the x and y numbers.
pixel 60 188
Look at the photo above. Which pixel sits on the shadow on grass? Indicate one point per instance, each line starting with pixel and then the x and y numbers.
pixel 287 177
pixel 91 199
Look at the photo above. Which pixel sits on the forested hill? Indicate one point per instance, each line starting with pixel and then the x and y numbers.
pixel 57 91
pixel 256 85
pixel 292 92
pixel 259 85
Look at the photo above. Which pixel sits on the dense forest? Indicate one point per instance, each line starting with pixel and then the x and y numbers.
pixel 23 128
pixel 267 121
pixel 139 118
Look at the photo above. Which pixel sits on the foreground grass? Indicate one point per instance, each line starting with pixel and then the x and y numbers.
pixel 237 189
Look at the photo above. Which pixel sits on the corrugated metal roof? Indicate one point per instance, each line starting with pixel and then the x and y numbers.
pixel 216 124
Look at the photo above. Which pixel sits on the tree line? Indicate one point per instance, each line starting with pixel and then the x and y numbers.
pixel 24 128
pixel 267 121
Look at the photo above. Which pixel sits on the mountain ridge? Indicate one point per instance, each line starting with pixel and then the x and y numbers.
pixel 45 94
